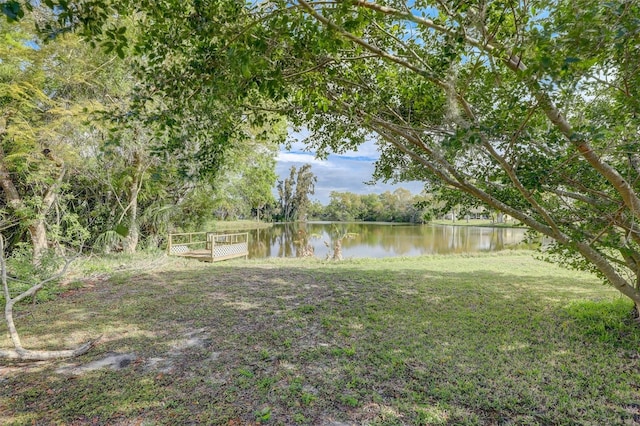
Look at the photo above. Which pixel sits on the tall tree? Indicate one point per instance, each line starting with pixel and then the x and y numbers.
pixel 305 186
pixel 294 193
pixel 285 195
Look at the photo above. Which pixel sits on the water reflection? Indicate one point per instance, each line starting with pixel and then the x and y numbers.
pixel 380 240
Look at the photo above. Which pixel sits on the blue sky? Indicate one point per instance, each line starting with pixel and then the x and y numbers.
pixel 345 172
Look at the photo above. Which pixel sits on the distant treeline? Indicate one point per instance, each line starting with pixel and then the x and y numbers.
pixel 397 206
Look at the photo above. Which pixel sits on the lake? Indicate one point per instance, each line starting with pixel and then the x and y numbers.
pixel 380 239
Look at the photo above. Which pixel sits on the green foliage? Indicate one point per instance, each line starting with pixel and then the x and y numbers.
pixel 263 414
pixel 12 10
pixel 294 194
pixel 108 241
pixel 22 274
pixel 245 182
pixel 530 108
pixel 121 164
pixel 48 91
pixel 397 206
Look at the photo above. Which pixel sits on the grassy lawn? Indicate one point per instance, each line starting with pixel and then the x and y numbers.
pixel 443 340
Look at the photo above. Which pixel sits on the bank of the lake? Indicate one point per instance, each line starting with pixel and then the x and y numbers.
pixel 487 223
pixel 457 339
pixel 235 225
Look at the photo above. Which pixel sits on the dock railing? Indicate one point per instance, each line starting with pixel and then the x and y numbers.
pixel 208 246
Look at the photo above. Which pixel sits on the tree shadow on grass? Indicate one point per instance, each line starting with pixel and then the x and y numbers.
pixel 315 344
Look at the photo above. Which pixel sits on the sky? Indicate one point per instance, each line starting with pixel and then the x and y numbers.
pixel 346 172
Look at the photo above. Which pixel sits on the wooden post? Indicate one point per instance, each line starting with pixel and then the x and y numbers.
pixel 169 246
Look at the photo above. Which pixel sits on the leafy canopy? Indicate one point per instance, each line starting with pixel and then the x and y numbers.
pixel 530 108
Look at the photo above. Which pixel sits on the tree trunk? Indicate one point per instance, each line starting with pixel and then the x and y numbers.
pixel 18 352
pixel 11 194
pixel 37 229
pixel 131 240
pixel 38 234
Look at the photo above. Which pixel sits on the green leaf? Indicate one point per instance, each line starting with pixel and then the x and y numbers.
pixel 246 72
pixel 122 230
pixel 108 47
pixel 12 10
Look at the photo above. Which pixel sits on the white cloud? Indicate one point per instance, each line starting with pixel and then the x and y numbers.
pixel 346 172
pixel 301 158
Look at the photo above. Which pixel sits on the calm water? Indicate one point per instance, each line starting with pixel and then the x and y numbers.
pixel 381 240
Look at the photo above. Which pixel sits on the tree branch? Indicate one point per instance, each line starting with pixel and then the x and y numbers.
pixel 515 63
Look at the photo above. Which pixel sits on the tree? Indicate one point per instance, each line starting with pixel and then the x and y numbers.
pixel 61 98
pixel 129 165
pixel 259 178
pixel 285 195
pixel 78 137
pixel 315 210
pixel 373 208
pixel 399 206
pixel 18 351
pixel 344 206
pixel 531 108
pixel 305 186
pixel 248 174
pixel 47 92
pixel 294 193
pixel 534 114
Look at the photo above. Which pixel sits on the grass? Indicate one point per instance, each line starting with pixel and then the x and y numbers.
pixel 442 340
pixel 477 222
pixel 236 225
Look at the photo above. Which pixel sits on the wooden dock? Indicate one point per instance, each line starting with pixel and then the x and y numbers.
pixel 208 246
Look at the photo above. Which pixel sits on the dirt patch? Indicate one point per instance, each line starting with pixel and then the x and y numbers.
pixel 164 364
pixel 114 361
